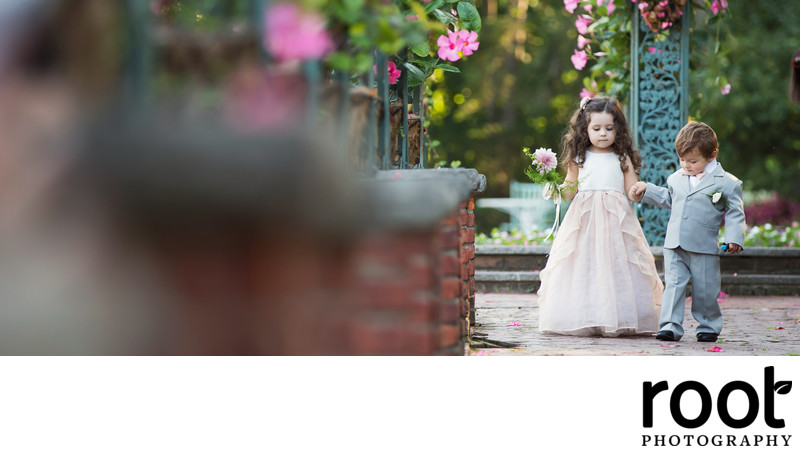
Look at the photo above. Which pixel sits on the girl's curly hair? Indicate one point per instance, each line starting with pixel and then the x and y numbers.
pixel 576 137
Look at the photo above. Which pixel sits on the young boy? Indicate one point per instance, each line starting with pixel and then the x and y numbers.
pixel 699 194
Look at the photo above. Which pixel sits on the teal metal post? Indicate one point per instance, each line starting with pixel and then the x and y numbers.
pixel 369 151
pixel 381 63
pixel 658 109
pixel 417 109
pixel 402 98
pixel 139 64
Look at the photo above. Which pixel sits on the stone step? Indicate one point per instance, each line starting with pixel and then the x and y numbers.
pixel 754 260
pixel 732 284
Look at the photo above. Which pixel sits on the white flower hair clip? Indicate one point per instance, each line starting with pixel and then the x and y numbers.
pixel 585 101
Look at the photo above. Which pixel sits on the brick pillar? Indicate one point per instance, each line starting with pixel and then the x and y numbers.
pixel 467 256
pixel 451 324
pixel 395 278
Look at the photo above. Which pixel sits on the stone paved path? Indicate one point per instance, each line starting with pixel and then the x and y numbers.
pixel 752 325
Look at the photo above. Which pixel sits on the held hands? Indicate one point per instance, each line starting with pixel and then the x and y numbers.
pixel 636 191
pixel 733 248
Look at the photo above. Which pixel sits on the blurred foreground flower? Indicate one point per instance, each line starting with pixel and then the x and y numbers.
pixel 292 34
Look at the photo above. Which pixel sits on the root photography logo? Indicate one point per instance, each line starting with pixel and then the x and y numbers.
pixel 703 430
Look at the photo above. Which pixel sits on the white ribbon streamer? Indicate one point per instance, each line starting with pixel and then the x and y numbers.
pixel 550 191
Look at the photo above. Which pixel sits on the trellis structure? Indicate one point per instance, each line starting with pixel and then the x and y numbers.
pixel 658 108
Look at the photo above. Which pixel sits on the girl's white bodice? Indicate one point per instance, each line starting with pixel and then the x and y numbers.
pixel 601 172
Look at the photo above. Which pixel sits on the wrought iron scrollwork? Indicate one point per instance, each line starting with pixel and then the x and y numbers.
pixel 658 99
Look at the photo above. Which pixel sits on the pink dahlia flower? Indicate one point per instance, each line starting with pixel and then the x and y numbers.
pixel 545 160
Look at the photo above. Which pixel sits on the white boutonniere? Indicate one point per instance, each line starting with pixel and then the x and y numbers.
pixel 718 198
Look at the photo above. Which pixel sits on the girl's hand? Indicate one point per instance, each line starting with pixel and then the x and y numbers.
pixel 636 192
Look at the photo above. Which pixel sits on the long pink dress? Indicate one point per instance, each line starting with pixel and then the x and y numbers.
pixel 600 278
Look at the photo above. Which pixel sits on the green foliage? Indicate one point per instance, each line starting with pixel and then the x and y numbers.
pixel 768 235
pixel 518 88
pixel 514 238
pixel 757 126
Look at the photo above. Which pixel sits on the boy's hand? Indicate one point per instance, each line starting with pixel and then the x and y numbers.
pixel 637 191
pixel 733 248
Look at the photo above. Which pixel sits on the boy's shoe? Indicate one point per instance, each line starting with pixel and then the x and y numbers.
pixel 665 335
pixel 706 337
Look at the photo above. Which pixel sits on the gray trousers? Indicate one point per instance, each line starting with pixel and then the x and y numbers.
pixel 680 266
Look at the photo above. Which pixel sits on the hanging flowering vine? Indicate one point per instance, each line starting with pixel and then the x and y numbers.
pixel 604 37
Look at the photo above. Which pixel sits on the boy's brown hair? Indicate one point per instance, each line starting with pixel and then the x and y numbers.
pixel 697 135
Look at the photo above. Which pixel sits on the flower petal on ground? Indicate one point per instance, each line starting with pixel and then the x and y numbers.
pixel 715 349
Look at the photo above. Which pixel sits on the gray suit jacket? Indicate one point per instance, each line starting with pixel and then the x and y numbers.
pixel 695 221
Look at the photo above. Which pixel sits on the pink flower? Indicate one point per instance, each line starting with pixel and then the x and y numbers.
pixel 779 327
pixel 726 89
pixel 295 35
pixel 394 73
pixel 582 41
pixel 668 345
pixel 586 94
pixel 579 59
pixel 545 160
pixel 514 324
pixel 582 24
pixel 570 5
pixel 450 46
pixel 715 349
pixel 723 295
pixel 469 40
pixel 718 5
pixel 610 6
pixel 258 100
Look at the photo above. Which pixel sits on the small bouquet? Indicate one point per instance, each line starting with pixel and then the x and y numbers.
pixel 543 171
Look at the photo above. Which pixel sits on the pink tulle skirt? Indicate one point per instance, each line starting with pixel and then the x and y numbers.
pixel 600 278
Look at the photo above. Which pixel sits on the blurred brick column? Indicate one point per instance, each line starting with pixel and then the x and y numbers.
pixel 258 252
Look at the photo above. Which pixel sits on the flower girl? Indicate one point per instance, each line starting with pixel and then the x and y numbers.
pixel 600 278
